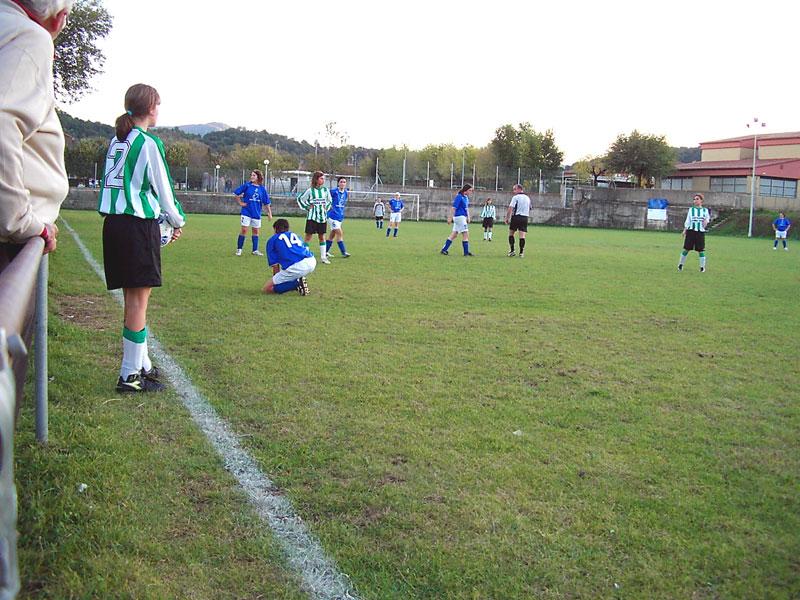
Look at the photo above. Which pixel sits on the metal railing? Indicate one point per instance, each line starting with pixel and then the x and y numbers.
pixel 23 309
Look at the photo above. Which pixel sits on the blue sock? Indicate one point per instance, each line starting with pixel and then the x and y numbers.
pixel 387 231
pixel 240 243
pixel 395 232
pixel 447 243
pixel 328 245
pixel 288 286
pixel 776 244
pixel 466 247
pixel 255 243
pixel 340 243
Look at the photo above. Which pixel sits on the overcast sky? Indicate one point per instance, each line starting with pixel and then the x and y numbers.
pixel 417 72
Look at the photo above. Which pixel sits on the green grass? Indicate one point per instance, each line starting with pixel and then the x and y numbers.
pixel 585 422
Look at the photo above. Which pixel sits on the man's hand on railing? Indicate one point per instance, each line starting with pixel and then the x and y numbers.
pixel 49 234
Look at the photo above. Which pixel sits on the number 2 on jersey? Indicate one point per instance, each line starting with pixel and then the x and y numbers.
pixel 118 152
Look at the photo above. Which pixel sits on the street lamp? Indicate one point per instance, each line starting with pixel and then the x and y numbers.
pixel 753 174
pixel 216 179
pixel 266 172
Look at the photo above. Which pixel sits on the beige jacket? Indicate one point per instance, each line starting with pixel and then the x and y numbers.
pixel 33 180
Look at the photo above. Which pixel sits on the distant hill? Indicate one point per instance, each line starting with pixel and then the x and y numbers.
pixel 78 129
pixel 687 155
pixel 202 129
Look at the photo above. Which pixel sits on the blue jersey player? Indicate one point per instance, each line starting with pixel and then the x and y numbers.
pixel 251 197
pixel 336 216
pixel 459 217
pixel 781 225
pixel 290 259
pixel 395 213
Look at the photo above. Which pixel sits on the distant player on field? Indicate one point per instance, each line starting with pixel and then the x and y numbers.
pixel 459 217
pixel 395 213
pixel 336 216
pixel 290 259
pixel 694 232
pixel 379 209
pixel 781 226
pixel 251 196
pixel 488 214
pixel 316 201
pixel 517 219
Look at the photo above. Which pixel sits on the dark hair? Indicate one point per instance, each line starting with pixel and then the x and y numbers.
pixel 140 99
pixel 340 178
pixel 280 225
pixel 464 188
pixel 315 176
pixel 487 200
pixel 517 186
pixel 259 176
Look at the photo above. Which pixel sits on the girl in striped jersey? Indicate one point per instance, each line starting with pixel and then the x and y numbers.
pixel 316 201
pixel 694 232
pixel 136 189
pixel 488 214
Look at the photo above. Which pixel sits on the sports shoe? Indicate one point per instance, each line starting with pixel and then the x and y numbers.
pixel 786 249
pixel 153 374
pixel 702 269
pixel 257 253
pixel 238 252
pixel 302 286
pixel 680 267
pixel 522 255
pixel 135 383
pixel 345 255
pixel 325 260
pixel 469 254
pixel 445 252
pixel 775 248
pixel 512 253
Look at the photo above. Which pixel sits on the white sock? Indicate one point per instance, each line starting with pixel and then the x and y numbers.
pixel 322 250
pixel 147 364
pixel 132 354
pixel 702 262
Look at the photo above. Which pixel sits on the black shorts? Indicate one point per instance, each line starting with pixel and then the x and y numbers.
pixel 379 217
pixel 518 223
pixel 695 240
pixel 313 227
pixel 131 252
pixel 488 222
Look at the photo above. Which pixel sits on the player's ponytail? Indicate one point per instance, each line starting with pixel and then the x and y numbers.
pixel 140 99
pixel 259 176
pixel 465 188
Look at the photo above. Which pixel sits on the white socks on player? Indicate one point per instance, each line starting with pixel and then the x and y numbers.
pixel 133 354
pixel 322 253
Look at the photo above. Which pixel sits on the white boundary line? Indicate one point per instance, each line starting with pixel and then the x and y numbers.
pixel 320 576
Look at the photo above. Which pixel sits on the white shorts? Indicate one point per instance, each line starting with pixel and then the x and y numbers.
pixel 295 271
pixel 780 235
pixel 248 222
pixel 460 224
pixel 395 217
pixel 334 224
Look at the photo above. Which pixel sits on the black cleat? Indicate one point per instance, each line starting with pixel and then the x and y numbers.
pixel 469 254
pixel 135 383
pixel 345 255
pixel 302 286
pixel 445 252
pixel 512 253
pixel 153 374
pixel 680 267
pixel 702 269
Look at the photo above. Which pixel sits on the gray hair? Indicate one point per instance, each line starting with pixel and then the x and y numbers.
pixel 44 9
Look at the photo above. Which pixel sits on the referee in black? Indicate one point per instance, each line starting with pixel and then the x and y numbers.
pixel 517 219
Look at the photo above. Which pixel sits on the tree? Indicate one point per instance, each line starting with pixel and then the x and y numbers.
pixel 526 147
pixel 81 156
pixel 77 58
pixel 591 166
pixel 644 156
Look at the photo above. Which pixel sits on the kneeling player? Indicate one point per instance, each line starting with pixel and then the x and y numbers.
pixel 290 260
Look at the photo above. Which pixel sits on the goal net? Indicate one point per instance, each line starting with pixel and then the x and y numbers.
pixel 410 201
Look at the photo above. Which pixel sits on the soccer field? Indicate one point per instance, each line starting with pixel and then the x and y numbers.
pixel 584 422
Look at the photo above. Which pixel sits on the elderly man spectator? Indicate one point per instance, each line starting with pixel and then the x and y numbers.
pixel 33 181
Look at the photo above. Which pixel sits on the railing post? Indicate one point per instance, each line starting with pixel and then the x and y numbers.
pixel 9 573
pixel 40 350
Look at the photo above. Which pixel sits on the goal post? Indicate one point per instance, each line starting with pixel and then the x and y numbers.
pixel 409 200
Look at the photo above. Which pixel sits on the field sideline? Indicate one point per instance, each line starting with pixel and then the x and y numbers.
pixel 583 422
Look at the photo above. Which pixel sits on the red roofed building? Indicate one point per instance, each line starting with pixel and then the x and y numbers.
pixel 727 166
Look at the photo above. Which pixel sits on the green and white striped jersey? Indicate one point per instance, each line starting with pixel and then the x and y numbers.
pixel 697 218
pixel 489 210
pixel 316 201
pixel 137 181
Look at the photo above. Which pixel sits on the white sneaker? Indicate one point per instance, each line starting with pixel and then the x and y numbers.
pixel 257 253
pixel 774 247
pixel 325 260
pixel 786 249
pixel 238 252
